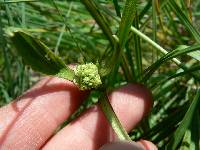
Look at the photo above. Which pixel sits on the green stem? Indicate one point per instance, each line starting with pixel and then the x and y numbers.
pixel 112 118
pixel 154 44
pixel 138 51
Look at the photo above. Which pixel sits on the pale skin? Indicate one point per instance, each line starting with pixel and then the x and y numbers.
pixel 30 122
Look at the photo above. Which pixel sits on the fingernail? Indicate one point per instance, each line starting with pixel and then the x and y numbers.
pixel 122 145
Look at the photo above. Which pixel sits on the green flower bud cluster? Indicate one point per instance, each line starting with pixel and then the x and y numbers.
pixel 87 76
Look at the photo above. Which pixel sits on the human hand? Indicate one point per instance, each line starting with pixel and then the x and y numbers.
pixel 29 123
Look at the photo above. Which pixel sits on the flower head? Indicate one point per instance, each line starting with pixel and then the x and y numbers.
pixel 87 76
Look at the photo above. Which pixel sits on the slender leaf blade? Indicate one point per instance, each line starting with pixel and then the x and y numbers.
pixel 184 20
pixel 126 21
pixel 99 18
pixel 169 56
pixel 185 123
pixel 195 55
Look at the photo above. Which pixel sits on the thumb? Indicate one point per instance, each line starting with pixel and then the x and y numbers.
pixel 129 145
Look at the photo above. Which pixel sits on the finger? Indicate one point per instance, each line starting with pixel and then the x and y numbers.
pixel 30 120
pixel 91 130
pixel 122 145
pixel 129 145
pixel 147 145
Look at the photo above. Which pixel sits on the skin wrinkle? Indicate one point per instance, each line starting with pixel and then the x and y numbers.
pixel 20 124
pixel 32 117
pixel 51 121
pixel 20 140
pixel 101 123
pixel 36 137
pixel 84 137
pixel 9 127
pixel 54 117
pixel 80 131
pixel 19 110
pixel 7 120
pixel 45 89
pixel 79 141
pixel 84 131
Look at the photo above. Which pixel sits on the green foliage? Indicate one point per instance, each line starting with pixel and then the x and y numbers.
pixel 184 20
pixel 151 42
pixel 186 122
pixel 127 19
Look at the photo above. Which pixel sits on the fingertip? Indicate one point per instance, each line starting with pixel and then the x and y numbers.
pixel 141 92
pixel 147 145
pixel 131 103
pixel 122 145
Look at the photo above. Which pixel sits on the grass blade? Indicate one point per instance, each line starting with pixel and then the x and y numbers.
pixel 167 57
pixel 138 51
pixel 126 21
pixel 154 24
pixel 117 8
pixel 185 123
pixel 18 1
pixel 89 4
pixel 195 55
pixel 145 10
pixel 184 20
pixel 124 28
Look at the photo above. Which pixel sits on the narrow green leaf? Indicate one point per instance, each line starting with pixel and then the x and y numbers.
pixel 145 9
pixel 126 21
pixel 154 28
pixel 124 28
pixel 99 18
pixel 185 72
pixel 141 35
pixel 167 122
pixel 185 123
pixel 191 137
pixel 167 57
pixel 185 145
pixel 195 138
pixel 18 1
pixel 184 20
pixel 117 8
pixel 130 59
pixel 195 55
pixel 92 7
pixel 39 56
pixel 138 50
